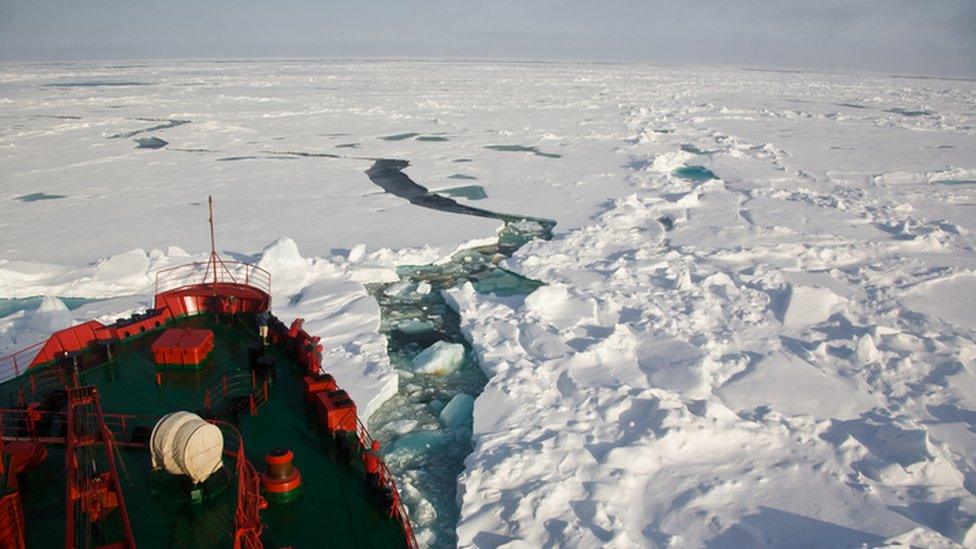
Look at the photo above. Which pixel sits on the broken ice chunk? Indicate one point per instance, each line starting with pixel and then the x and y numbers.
pixel 51 315
pixel 415 445
pixel 441 358
pixel 809 305
pixel 416 326
pixel 458 411
pixel 398 288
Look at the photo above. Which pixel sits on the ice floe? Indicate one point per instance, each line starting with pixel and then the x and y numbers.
pixel 441 359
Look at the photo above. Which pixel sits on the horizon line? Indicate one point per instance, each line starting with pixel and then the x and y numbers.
pixel 510 60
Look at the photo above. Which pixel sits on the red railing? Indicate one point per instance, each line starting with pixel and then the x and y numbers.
pixel 308 352
pixel 19 424
pixel 399 510
pixel 241 383
pixel 86 426
pixel 22 424
pixel 203 272
pixel 250 502
pixel 17 363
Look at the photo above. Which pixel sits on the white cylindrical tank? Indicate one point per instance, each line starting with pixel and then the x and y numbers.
pixel 185 444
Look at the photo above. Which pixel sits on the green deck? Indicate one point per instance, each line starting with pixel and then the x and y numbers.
pixel 334 509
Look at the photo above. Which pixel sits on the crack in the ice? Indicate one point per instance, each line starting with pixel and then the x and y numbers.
pixel 167 123
pixel 430 450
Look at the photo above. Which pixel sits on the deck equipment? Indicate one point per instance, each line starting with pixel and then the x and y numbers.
pixel 138 429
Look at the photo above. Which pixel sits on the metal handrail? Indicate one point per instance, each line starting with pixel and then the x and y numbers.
pixel 229 385
pixel 401 509
pixel 247 515
pixel 202 272
pixel 20 424
pixel 180 276
pixel 23 424
pixel 16 363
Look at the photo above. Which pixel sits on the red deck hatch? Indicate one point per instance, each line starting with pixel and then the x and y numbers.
pixel 182 346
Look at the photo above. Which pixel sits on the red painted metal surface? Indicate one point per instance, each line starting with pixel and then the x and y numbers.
pixel 24 456
pixel 137 326
pixel 336 411
pixel 229 299
pixel 228 295
pixel 75 338
pixel 250 502
pixel 398 510
pixel 241 383
pixel 308 353
pixel 18 424
pixel 90 495
pixel 308 348
pixel 16 363
pixel 314 384
pixel 166 349
pixel 12 527
pixel 281 475
pixel 193 289
pixel 201 274
pixel 182 346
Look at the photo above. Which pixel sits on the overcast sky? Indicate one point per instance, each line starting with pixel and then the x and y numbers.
pixel 932 37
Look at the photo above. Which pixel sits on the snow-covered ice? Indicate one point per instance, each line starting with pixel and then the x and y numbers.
pixel 757 374
pixel 774 347
pixel 440 359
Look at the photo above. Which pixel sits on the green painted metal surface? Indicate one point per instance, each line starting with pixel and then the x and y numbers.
pixel 334 508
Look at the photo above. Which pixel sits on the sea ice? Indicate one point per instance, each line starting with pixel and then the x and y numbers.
pixel 952 299
pixel 415 327
pixel 671 364
pixel 51 315
pixel 758 422
pixel 441 359
pixel 282 253
pixel 807 305
pixel 416 444
pixel 557 306
pixel 457 413
pixel 789 384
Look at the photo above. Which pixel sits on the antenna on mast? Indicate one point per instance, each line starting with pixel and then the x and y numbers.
pixel 213 239
pixel 214 258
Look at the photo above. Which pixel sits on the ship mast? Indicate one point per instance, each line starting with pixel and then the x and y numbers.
pixel 214 258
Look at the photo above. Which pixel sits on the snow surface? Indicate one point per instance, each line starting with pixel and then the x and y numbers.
pixel 781 356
